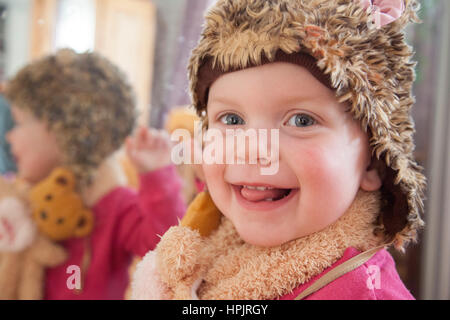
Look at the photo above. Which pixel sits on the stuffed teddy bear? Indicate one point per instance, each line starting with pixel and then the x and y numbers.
pixel 58 209
pixel 24 252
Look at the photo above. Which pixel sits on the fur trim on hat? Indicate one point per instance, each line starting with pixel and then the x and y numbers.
pixel 369 68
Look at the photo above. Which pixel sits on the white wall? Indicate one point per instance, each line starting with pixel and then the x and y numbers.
pixel 17 34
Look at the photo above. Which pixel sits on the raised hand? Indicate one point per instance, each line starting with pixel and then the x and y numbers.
pixel 149 149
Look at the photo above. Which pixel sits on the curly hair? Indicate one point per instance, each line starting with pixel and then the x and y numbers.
pixel 84 99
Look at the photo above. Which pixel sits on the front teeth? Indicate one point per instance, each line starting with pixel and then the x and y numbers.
pixel 258 188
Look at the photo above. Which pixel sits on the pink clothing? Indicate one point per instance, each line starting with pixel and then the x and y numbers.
pixel 127 223
pixel 377 279
pixel 200 185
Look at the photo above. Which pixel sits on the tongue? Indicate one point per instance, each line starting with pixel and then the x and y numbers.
pixel 260 195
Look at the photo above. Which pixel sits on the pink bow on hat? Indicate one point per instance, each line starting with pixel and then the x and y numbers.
pixel 385 11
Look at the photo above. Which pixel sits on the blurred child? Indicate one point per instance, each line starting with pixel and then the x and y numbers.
pixel 191 174
pixel 333 78
pixel 75 111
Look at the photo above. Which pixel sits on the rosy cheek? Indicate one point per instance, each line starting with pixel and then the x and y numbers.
pixel 216 185
pixel 316 166
pixel 213 174
pixel 22 142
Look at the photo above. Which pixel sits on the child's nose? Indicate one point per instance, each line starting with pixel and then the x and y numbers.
pixel 259 150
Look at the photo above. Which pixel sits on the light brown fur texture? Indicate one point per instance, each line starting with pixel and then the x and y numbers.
pixel 233 269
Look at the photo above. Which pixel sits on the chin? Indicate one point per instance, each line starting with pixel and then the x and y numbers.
pixel 263 242
pixel 263 237
pixel 258 238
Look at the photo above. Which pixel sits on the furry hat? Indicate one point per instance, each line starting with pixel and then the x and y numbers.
pixel 85 100
pixel 368 66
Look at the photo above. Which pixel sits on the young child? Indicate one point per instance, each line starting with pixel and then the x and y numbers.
pixel 334 78
pixel 75 111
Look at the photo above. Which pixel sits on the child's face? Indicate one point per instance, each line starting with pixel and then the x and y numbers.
pixel 323 154
pixel 34 148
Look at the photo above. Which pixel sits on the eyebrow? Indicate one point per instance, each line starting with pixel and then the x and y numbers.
pixel 223 100
pixel 288 101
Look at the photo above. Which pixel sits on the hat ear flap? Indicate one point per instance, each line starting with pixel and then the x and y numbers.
pixel 202 215
pixel 394 212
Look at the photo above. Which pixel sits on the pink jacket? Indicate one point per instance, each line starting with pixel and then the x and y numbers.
pixel 127 223
pixel 377 279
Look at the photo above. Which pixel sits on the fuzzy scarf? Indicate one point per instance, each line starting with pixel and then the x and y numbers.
pixel 222 266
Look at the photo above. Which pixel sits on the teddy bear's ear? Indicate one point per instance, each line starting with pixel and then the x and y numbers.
pixel 85 224
pixel 64 178
pixel 202 215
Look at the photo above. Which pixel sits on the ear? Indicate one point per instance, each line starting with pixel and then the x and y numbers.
pixel 63 178
pixel 371 179
pixel 85 224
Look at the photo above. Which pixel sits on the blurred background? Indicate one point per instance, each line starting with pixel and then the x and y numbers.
pixel 151 41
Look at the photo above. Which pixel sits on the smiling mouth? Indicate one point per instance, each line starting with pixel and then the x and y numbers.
pixel 258 194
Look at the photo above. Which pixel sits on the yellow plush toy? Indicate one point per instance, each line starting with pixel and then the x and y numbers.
pixel 24 252
pixel 58 209
pixel 202 215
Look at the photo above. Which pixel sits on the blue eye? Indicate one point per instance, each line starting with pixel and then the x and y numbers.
pixel 301 120
pixel 231 119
